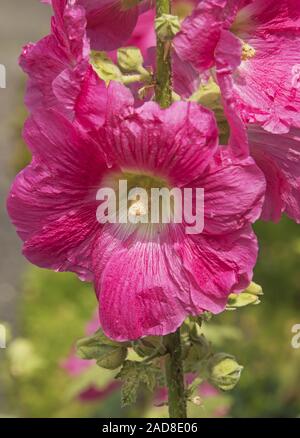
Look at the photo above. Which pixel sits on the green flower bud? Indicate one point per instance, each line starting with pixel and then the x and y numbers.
pixel 236 301
pixel 105 68
pixel 254 289
pixel 111 357
pixel 223 371
pixel 130 59
pixel 249 296
pixel 167 26
pixel 209 95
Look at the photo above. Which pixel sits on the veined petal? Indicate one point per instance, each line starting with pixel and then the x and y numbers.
pixel 52 202
pixel 233 193
pixel 278 156
pixel 178 142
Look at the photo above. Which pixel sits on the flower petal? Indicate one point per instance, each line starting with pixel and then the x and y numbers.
pixel 218 265
pixel 279 158
pixel 109 23
pixel 233 193
pixel 140 284
pixel 53 201
pixel 177 142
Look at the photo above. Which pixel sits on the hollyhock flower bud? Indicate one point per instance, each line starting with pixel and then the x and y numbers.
pixel 223 371
pixel 106 69
pixel 254 289
pixel 167 26
pixel 251 295
pixel 130 59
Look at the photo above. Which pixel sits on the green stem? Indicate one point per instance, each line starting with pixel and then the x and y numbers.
pixel 175 376
pixel 163 89
pixel 174 362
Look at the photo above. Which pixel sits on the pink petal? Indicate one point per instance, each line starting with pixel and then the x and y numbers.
pixel 109 23
pixel 200 33
pixel 140 284
pixel 278 156
pixel 177 142
pixel 53 201
pixel 233 193
pixel 265 87
pixel 218 265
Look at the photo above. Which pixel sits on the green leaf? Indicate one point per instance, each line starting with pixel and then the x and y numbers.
pixel 109 354
pixel 132 375
pixel 112 358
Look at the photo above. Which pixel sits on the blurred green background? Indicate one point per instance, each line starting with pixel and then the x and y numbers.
pixel 45 312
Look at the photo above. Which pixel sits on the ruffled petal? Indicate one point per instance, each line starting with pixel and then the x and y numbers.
pixel 110 23
pixel 234 192
pixel 265 87
pixel 58 66
pixel 218 265
pixel 140 284
pixel 52 202
pixel 177 142
pixel 148 286
pixel 279 158
pixel 200 33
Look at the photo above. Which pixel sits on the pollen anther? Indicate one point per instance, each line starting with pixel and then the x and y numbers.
pixel 248 52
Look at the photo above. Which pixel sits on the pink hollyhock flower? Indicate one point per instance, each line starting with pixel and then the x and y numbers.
pixel 110 22
pixel 60 76
pixel 278 156
pixel 148 278
pixel 253 44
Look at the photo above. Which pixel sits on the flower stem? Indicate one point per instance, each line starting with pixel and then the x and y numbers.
pixel 163 95
pixel 175 376
pixel 163 89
